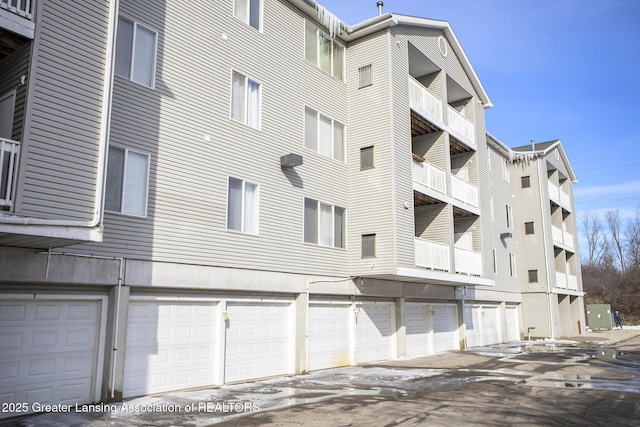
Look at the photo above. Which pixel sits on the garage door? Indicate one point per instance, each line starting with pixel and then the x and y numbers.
pixel 330 327
pixel 418 331
pixel 374 333
pixel 170 346
pixel 473 325
pixel 513 323
pixel 259 341
pixel 491 325
pixel 445 328
pixel 49 351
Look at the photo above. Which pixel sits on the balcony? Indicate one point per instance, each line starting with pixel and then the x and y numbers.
pixel 429 175
pixel 463 191
pixel 567 239
pixel 554 191
pixel 556 234
pixel 8 168
pixel 431 255
pixel 561 280
pixel 468 262
pixel 572 282
pixel 424 101
pixel 461 125
pixel 16 16
pixel 564 198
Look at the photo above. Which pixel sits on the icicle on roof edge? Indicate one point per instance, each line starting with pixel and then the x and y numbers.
pixel 330 21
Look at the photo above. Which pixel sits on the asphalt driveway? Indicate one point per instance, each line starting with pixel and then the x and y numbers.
pixel 590 380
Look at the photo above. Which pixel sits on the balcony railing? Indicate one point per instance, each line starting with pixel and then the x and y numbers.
pixel 464 191
pixel 8 168
pixel 460 124
pixel 561 280
pixel 564 198
pixel 423 100
pixel 556 234
pixel 431 254
pixel 567 239
pixel 23 8
pixel 572 282
pixel 427 174
pixel 554 191
pixel 468 262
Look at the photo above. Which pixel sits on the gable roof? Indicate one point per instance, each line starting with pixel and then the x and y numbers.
pixel 353 32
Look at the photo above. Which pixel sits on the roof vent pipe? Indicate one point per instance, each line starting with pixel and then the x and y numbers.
pixel 380 4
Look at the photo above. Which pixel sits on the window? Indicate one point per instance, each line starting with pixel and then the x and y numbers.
pixel 136 52
pixel 488 158
pixel 245 100
pixel 366 158
pixel 506 175
pixel 495 261
pixel 248 11
pixel 324 224
pixel 512 265
pixel 365 77
pixel 324 52
pixel 526 181
pixel 127 182
pixel 323 134
pixel 528 227
pixel 491 209
pixel 242 206
pixel 368 246
pixel 509 217
pixel 533 276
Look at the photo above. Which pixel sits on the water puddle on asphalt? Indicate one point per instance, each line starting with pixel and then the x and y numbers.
pixel 559 380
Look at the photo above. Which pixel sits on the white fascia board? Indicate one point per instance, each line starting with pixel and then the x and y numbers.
pixel 558 144
pixel 499 145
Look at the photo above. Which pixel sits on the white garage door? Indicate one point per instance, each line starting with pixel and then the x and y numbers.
pixel 491 325
pixel 259 341
pixel 170 346
pixel 374 333
pixel 418 331
pixel 513 323
pixel 330 327
pixel 49 351
pixel 445 328
pixel 473 325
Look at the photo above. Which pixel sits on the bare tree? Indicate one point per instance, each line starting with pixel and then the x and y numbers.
pixel 615 225
pixel 633 241
pixel 597 243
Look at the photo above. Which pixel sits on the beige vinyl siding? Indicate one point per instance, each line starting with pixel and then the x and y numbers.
pixel 187 209
pixel 60 155
pixel 432 223
pixel 536 313
pixel 12 68
pixel 370 123
pixel 433 148
pixel 502 193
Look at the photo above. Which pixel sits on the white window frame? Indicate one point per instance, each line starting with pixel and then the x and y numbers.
pixel 256 213
pixel 334 42
pixel 132 50
pixel 509 217
pixel 319 115
pixel 506 174
pixel 512 265
pixel 248 17
pixel 495 261
pixel 122 211
pixel 318 233
pixel 246 100
pixel 491 210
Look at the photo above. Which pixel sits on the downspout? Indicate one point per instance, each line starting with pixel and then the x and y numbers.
pixel 116 321
pixel 102 148
pixel 545 238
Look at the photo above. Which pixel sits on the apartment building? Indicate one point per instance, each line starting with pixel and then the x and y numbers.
pixel 214 192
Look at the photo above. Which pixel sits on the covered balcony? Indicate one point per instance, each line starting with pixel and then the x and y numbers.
pixel 428 175
pixel 432 255
pixel 468 262
pixel 16 24
pixel 464 191
pixel 424 101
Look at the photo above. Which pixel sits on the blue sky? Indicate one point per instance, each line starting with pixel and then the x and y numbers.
pixel 554 69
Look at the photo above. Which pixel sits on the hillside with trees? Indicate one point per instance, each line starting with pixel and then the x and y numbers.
pixel 611 266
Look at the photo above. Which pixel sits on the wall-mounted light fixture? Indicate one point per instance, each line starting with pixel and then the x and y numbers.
pixel 290 160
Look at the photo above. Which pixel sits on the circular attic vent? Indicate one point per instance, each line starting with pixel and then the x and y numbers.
pixel 442 45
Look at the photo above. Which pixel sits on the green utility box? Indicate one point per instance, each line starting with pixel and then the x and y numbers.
pixel 599 316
